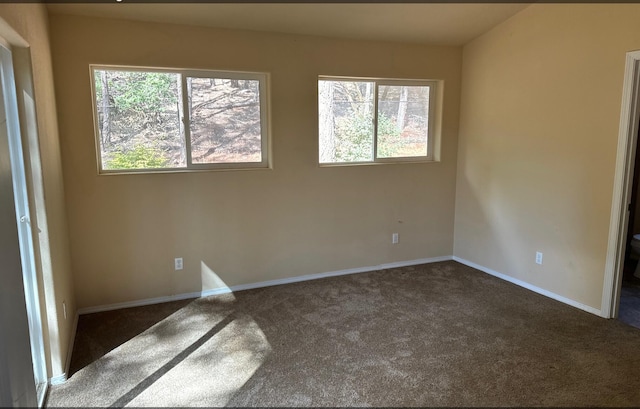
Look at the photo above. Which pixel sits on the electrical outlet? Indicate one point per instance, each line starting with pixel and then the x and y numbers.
pixel 394 238
pixel 538 257
pixel 178 263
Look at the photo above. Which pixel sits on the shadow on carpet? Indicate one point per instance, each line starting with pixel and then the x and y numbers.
pixel 439 334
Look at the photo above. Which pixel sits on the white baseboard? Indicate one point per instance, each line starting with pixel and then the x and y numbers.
pixel 531 287
pixel 261 284
pixel 62 378
pixel 58 380
pixel 324 275
pixel 138 303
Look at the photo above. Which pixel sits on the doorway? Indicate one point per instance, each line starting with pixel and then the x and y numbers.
pixel 619 233
pixel 629 306
pixel 10 132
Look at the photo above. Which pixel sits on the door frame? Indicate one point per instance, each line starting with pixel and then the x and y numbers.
pixel 23 220
pixel 622 186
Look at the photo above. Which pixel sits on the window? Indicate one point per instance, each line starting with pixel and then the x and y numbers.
pixel 164 120
pixel 369 121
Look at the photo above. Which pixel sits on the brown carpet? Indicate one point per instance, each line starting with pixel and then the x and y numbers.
pixel 439 334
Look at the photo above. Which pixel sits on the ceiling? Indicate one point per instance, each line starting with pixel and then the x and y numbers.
pixel 430 23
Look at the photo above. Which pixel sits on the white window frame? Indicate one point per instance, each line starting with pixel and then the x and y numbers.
pixel 263 79
pixel 433 131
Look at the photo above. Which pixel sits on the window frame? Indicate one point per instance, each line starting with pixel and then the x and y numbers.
pixel 263 79
pixel 433 132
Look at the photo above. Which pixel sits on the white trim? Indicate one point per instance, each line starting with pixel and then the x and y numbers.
pixel 623 178
pixel 62 378
pixel 58 380
pixel 433 122
pixel 263 79
pixel 528 286
pixel 23 217
pixel 42 394
pixel 137 303
pixel 72 342
pixel 261 284
pixel 309 277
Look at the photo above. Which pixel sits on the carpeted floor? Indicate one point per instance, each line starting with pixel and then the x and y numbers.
pixel 440 334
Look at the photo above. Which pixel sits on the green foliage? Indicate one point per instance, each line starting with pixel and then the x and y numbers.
pixel 140 157
pixel 389 139
pixel 98 85
pixel 144 91
pixel 354 138
pixel 139 91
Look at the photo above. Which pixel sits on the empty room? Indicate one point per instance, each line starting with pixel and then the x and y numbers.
pixel 343 204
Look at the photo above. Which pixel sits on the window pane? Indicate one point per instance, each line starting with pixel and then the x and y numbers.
pixel 225 120
pixel 345 113
pixel 403 118
pixel 139 120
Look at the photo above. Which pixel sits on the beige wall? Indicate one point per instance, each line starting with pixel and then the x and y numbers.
pixel 540 111
pixel 51 236
pixel 246 226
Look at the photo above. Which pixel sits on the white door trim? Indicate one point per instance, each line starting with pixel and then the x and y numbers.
pixel 623 179
pixel 23 216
